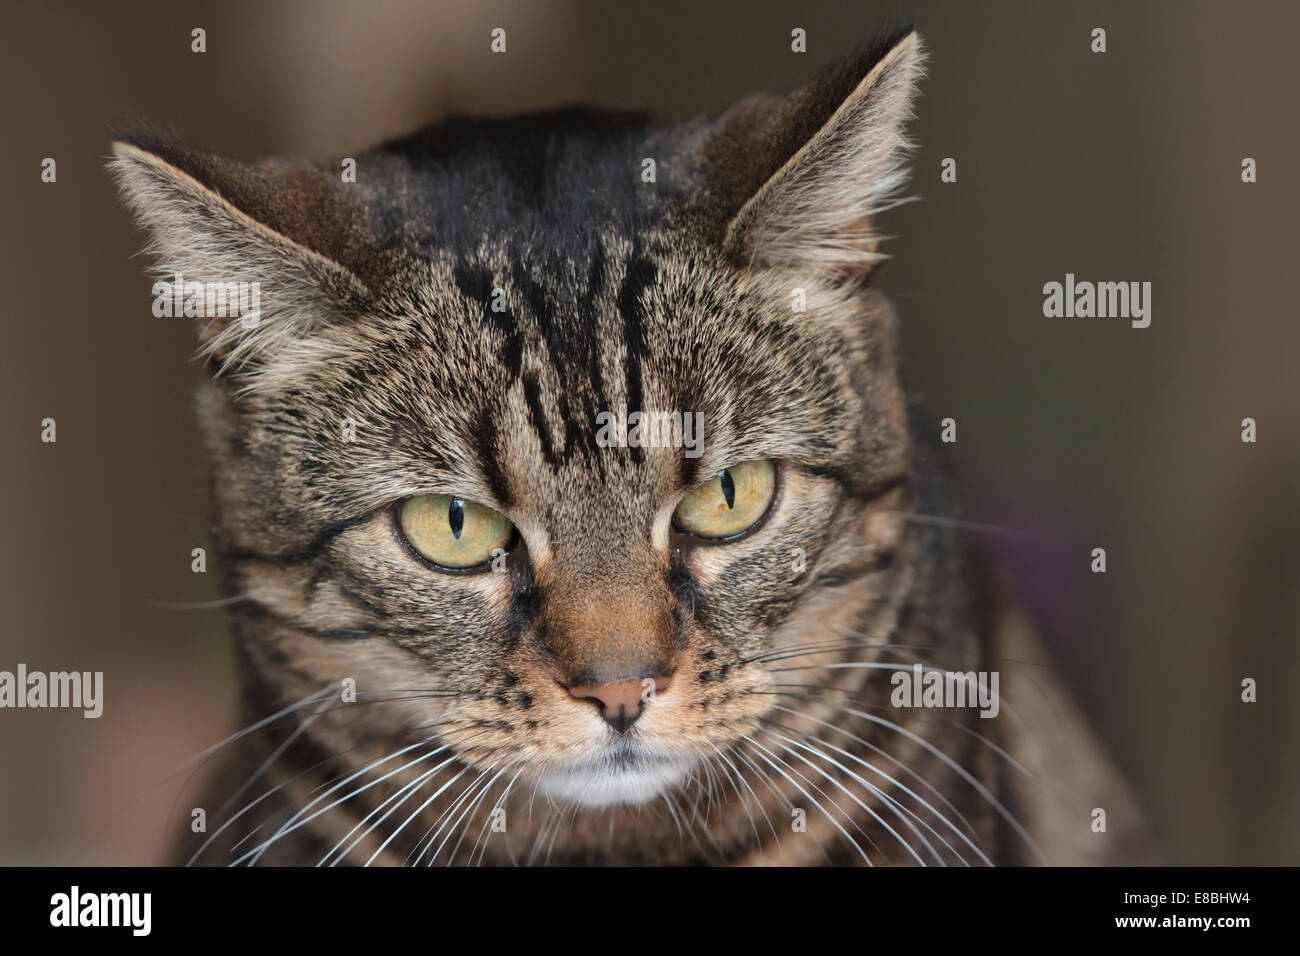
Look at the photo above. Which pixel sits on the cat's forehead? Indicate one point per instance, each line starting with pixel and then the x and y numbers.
pixel 527 367
pixel 513 379
pixel 644 321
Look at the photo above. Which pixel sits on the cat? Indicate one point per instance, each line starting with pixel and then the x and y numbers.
pixel 473 628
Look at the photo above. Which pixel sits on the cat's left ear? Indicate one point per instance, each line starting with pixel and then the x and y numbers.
pixel 806 174
pixel 286 229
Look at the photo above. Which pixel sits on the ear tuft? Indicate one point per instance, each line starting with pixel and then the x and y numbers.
pixel 818 209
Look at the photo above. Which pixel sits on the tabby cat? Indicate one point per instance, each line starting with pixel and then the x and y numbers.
pixel 475 629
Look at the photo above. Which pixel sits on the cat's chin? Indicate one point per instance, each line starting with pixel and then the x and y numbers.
pixel 614 782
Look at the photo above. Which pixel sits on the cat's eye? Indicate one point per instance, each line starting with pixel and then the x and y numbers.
pixel 453 532
pixel 729 504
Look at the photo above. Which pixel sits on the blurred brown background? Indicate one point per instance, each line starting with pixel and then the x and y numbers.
pixel 1081 432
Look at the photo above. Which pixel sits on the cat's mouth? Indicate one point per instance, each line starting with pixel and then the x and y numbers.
pixel 627 774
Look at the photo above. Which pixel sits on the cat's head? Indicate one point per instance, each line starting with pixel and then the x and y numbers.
pixel 428 475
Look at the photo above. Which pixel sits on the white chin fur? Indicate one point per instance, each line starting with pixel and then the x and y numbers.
pixel 606 785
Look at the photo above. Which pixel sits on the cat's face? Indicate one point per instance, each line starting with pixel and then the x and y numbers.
pixel 598 583
pixel 420 481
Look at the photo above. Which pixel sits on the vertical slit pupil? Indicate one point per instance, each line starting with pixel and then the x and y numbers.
pixel 728 489
pixel 456 517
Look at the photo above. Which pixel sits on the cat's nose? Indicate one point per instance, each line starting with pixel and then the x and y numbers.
pixel 621 702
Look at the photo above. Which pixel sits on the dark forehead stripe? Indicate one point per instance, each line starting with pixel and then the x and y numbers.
pixel 640 275
pixel 589 317
pixel 537 417
pixel 538 303
pixel 488 457
pixel 581 428
pixel 572 347
pixel 567 322
pixel 475 283
pixel 533 296
pixel 560 342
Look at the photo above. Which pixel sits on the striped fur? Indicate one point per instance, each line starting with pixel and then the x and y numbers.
pixel 672 295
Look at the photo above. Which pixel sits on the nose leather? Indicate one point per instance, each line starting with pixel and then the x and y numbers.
pixel 620 702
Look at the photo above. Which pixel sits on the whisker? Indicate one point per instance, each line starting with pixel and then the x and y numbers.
pixel 505 794
pixel 964 774
pixel 958 524
pixel 767 780
pixel 198 605
pixel 298 820
pixel 765 754
pixel 280 786
pixel 800 650
pixel 410 790
pixel 898 763
pixel 275 755
pixel 896 806
pixel 926 668
pixel 734 773
pixel 451 824
pixel 396 799
pixel 852 796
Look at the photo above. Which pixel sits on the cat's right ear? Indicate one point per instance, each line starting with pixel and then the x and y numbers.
pixel 283 230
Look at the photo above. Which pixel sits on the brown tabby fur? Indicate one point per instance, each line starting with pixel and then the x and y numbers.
pixel 672 295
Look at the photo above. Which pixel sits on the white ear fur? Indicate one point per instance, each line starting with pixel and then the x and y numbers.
pixel 818 209
pixel 200 235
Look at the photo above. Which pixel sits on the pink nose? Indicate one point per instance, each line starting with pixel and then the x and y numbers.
pixel 620 702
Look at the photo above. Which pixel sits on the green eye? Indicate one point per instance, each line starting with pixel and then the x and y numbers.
pixel 452 532
pixel 731 503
